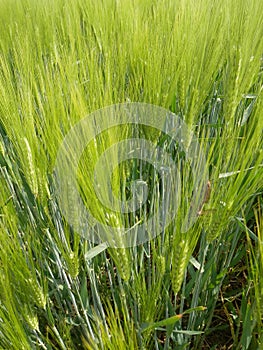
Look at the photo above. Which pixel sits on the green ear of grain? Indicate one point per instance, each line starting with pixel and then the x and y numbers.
pixel 121 257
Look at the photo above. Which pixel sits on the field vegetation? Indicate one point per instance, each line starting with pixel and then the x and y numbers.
pixel 61 61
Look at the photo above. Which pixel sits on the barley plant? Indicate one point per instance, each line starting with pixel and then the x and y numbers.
pixel 193 288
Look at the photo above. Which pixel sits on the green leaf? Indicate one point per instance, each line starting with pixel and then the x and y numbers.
pixel 167 322
pixel 171 320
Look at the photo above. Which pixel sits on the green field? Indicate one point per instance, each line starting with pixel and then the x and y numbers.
pixel 200 288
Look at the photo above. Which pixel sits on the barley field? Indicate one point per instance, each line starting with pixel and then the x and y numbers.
pixel 117 231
